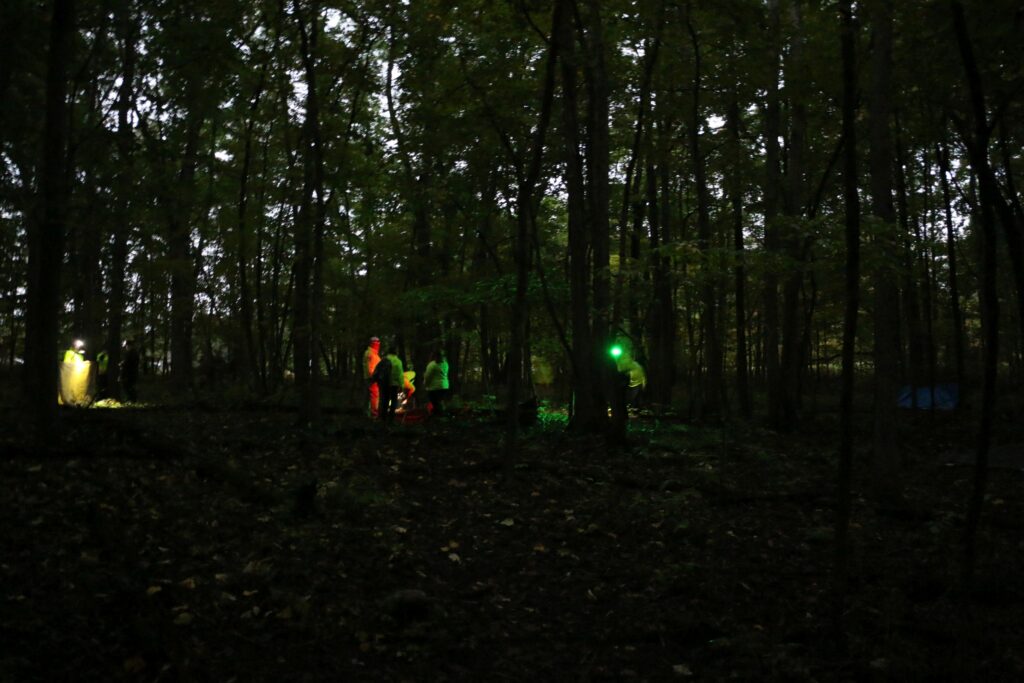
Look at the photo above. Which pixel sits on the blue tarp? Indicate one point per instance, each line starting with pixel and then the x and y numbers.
pixel 946 397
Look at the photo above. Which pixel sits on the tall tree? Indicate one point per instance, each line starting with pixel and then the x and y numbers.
pixel 977 142
pixel 127 33
pixel 772 201
pixel 311 221
pixel 885 243
pixel 851 205
pixel 46 239
pixel 736 205
pixel 587 409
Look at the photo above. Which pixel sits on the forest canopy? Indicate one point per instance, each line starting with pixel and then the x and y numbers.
pixel 253 189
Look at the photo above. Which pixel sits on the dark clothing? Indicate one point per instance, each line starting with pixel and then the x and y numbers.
pixel 388 394
pixel 130 373
pixel 437 397
pixel 388 402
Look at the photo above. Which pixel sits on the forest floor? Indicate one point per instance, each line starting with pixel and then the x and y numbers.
pixel 206 544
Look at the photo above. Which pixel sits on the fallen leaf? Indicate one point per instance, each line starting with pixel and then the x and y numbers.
pixel 682 670
pixel 183 619
pixel 153 590
pixel 508 521
pixel 188 584
pixel 454 557
pixel 134 665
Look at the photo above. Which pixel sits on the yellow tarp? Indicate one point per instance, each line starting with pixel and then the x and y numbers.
pixel 77 383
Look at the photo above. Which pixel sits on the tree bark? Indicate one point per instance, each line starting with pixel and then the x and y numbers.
pixel 599 219
pixel 179 246
pixel 122 212
pixel 250 357
pixel 736 204
pixel 852 290
pixel 772 197
pixel 586 414
pixel 311 224
pixel 795 190
pixel 711 404
pixel 954 278
pixel 977 146
pixel 526 209
pixel 46 241
pixel 886 316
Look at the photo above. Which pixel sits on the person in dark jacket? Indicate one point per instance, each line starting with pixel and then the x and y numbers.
pixel 130 370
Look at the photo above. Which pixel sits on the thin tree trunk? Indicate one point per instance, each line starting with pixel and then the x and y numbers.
pixel 179 243
pixel 977 146
pixel 772 196
pixel 525 216
pixel 586 416
pixel 711 387
pixel 651 50
pixel 311 225
pixel 886 316
pixel 250 360
pixel 736 202
pixel 909 299
pixel 599 219
pixel 954 282
pixel 852 289
pixel 122 215
pixel 662 325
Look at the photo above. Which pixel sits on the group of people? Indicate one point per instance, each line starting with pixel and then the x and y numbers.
pixel 129 375
pixel 386 377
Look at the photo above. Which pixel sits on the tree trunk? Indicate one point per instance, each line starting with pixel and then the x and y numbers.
pixel 909 300
pixel 977 146
pixel 179 246
pixel 311 226
pixel 886 315
pixel 711 386
pixel 525 216
pixel 662 326
pixel 122 210
pixel 586 413
pixel 736 202
pixel 46 241
pixel 772 196
pixel 622 285
pixel 954 281
pixel 249 355
pixel 852 289
pixel 599 193
pixel 792 340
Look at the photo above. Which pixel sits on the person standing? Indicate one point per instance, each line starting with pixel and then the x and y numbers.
pixel 130 370
pixel 102 365
pixel 636 379
pixel 391 382
pixel 435 379
pixel 371 357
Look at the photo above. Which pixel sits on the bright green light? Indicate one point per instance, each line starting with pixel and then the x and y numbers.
pixel 615 351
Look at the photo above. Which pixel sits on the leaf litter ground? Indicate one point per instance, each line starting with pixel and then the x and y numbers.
pixel 177 544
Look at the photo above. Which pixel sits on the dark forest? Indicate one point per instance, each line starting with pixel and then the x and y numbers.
pixel 426 340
